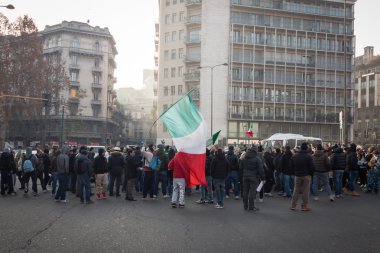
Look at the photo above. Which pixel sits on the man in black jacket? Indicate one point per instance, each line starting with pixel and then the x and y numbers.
pixel 100 166
pixel 303 166
pixel 7 166
pixel 233 174
pixel 253 172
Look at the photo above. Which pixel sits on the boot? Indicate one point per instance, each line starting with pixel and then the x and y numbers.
pixel 355 194
pixel 104 195
pixel 98 196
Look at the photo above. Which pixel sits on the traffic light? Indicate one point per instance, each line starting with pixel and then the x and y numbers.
pixel 46 99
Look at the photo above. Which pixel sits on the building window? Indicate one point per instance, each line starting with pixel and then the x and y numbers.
pixel 74 43
pixel 167 37
pixel 74 76
pixel 73 92
pixel 180 35
pixel 166 55
pixel 95 111
pixel 180 53
pixel 180 87
pixel 167 19
pixel 97 62
pixel 174 18
pixel 181 1
pixel 172 72
pixel 166 91
pixel 74 59
pixel 167 2
pixel 174 2
pixel 181 16
pixel 174 35
pixel 172 90
pixel 174 54
pixel 97 77
pixel 180 71
pixel 58 41
pixel 166 73
pixel 97 46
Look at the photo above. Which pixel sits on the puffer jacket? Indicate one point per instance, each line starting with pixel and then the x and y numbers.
pixel 321 161
pixel 303 164
pixel 219 167
pixel 285 164
pixel 252 166
pixel 338 160
pixel 116 163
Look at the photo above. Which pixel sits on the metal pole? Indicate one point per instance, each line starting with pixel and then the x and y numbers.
pixel 212 90
pixel 345 129
pixel 63 112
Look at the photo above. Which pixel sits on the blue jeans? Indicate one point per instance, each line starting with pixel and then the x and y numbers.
pixel 54 179
pixel 163 177
pixel 139 183
pixel 84 187
pixel 324 176
pixel 112 182
pixel 232 175
pixel 352 180
pixel 337 177
pixel 220 189
pixel 63 180
pixel 202 190
pixel 288 184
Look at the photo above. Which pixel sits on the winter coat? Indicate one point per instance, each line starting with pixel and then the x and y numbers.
pixel 164 159
pixel 252 166
pixel 82 158
pixel 287 169
pixel 303 164
pixel 219 167
pixel 352 161
pixel 116 163
pixel 321 161
pixel 233 161
pixel 33 158
pixel 338 160
pixel 208 165
pixel 132 165
pixel 7 162
pixel 63 163
pixel 100 165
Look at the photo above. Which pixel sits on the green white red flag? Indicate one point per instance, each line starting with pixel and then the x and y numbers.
pixel 250 130
pixel 188 130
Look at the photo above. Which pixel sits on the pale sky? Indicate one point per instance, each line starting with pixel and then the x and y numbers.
pixel 131 22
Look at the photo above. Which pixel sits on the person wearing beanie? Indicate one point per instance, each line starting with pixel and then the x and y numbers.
pixel 303 166
pixel 233 173
pixel 322 167
pixel 83 169
pixel 288 173
pixel 353 170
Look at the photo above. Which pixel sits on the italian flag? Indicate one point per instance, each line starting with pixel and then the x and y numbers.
pixel 250 130
pixel 188 130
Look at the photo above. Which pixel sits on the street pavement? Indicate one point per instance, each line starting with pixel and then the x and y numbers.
pixel 38 224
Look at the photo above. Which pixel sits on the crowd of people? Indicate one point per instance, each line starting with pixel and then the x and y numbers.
pixel 239 172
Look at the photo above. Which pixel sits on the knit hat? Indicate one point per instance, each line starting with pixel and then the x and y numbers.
pixel 304 146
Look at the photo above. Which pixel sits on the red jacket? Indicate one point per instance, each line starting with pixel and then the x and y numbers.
pixel 178 170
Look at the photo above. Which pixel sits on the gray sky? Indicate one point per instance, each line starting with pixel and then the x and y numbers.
pixel 131 22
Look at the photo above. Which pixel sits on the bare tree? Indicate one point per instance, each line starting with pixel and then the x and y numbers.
pixel 24 71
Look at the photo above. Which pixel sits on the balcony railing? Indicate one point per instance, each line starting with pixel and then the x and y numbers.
pixel 73 100
pixel 97 85
pixel 192 58
pixel 196 19
pixel 96 102
pixel 194 39
pixel 193 76
pixel 74 83
pixel 192 2
pixel 97 69
pixel 74 66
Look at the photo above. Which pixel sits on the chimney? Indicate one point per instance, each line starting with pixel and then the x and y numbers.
pixel 368 54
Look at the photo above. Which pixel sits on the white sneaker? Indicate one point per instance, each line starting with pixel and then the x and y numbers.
pixel 237 197
pixel 316 198
pixel 227 197
pixel 261 200
pixel 268 194
pixel 332 198
pixel 166 196
pixel 64 201
pixel 154 196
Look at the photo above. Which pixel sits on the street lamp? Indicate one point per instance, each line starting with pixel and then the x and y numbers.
pixel 212 85
pixel 9 6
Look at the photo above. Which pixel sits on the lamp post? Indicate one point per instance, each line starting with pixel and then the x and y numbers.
pixel 212 87
pixel 9 6
pixel 345 129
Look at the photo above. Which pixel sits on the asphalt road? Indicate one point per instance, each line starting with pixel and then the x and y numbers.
pixel 38 224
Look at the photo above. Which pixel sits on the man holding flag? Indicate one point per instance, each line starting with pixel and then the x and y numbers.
pixel 188 130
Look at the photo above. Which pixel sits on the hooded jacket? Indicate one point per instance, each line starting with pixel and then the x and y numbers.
pixel 321 161
pixel 116 163
pixel 82 158
pixel 7 163
pixel 63 161
pixel 233 161
pixel 338 159
pixel 163 158
pixel 100 164
pixel 252 166
pixel 302 163
pixel 219 167
pixel 287 169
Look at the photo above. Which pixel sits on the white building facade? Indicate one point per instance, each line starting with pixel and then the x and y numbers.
pixel 277 65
